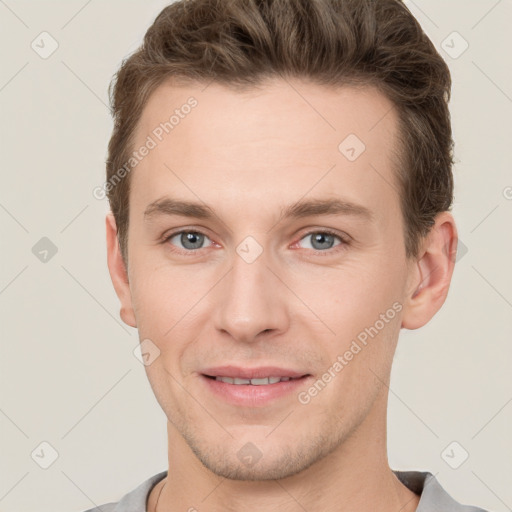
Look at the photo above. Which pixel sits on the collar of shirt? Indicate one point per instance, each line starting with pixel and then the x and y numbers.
pixel 433 497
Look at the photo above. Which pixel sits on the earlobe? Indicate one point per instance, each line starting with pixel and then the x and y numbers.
pixel 431 274
pixel 118 272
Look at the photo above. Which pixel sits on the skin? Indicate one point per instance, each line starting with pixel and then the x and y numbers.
pixel 298 305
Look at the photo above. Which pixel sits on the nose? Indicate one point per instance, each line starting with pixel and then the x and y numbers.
pixel 251 302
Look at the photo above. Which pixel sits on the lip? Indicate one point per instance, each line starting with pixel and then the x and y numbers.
pixel 249 395
pixel 251 373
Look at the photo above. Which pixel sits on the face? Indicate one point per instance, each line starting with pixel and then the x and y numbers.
pixel 291 265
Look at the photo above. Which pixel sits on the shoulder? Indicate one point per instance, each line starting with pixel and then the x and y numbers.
pixel 107 507
pixel 433 497
pixel 133 501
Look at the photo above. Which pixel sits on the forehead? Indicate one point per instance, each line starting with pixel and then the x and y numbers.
pixel 210 139
pixel 324 112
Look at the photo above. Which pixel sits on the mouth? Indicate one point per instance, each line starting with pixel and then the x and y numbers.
pixel 253 387
pixel 264 381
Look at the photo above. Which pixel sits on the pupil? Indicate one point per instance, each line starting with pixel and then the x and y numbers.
pixel 322 238
pixel 191 238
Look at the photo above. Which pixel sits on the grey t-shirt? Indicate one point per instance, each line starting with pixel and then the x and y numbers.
pixel 433 497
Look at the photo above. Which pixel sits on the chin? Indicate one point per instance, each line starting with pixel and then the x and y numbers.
pixel 270 470
pixel 272 462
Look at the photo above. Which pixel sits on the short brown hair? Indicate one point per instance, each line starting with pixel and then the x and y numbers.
pixel 240 43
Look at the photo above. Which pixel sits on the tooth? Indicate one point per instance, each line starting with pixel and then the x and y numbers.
pixel 227 380
pixel 259 382
pixel 255 382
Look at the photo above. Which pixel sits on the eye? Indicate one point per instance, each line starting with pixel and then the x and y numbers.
pixel 322 240
pixel 189 240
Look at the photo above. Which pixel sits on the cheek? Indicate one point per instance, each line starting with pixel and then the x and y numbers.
pixel 360 303
pixel 166 306
pixel 355 292
pixel 157 301
pixel 152 302
pixel 358 365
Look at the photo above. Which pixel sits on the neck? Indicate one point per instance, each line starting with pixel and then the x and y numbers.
pixel 355 476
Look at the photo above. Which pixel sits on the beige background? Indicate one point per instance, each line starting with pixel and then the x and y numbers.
pixel 68 373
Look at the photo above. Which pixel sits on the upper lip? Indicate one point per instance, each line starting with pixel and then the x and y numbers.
pixel 259 372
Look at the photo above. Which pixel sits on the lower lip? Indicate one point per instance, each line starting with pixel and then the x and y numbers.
pixel 254 396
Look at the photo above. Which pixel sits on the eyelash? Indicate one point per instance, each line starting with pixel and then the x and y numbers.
pixel 344 241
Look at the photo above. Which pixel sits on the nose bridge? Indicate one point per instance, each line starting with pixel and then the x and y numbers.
pixel 250 301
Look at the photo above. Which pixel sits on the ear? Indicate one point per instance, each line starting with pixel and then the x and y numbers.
pixel 118 272
pixel 431 273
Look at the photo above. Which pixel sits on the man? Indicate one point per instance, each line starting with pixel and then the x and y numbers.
pixel 280 182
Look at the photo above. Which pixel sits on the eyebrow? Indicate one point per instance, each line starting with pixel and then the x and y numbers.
pixel 299 209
